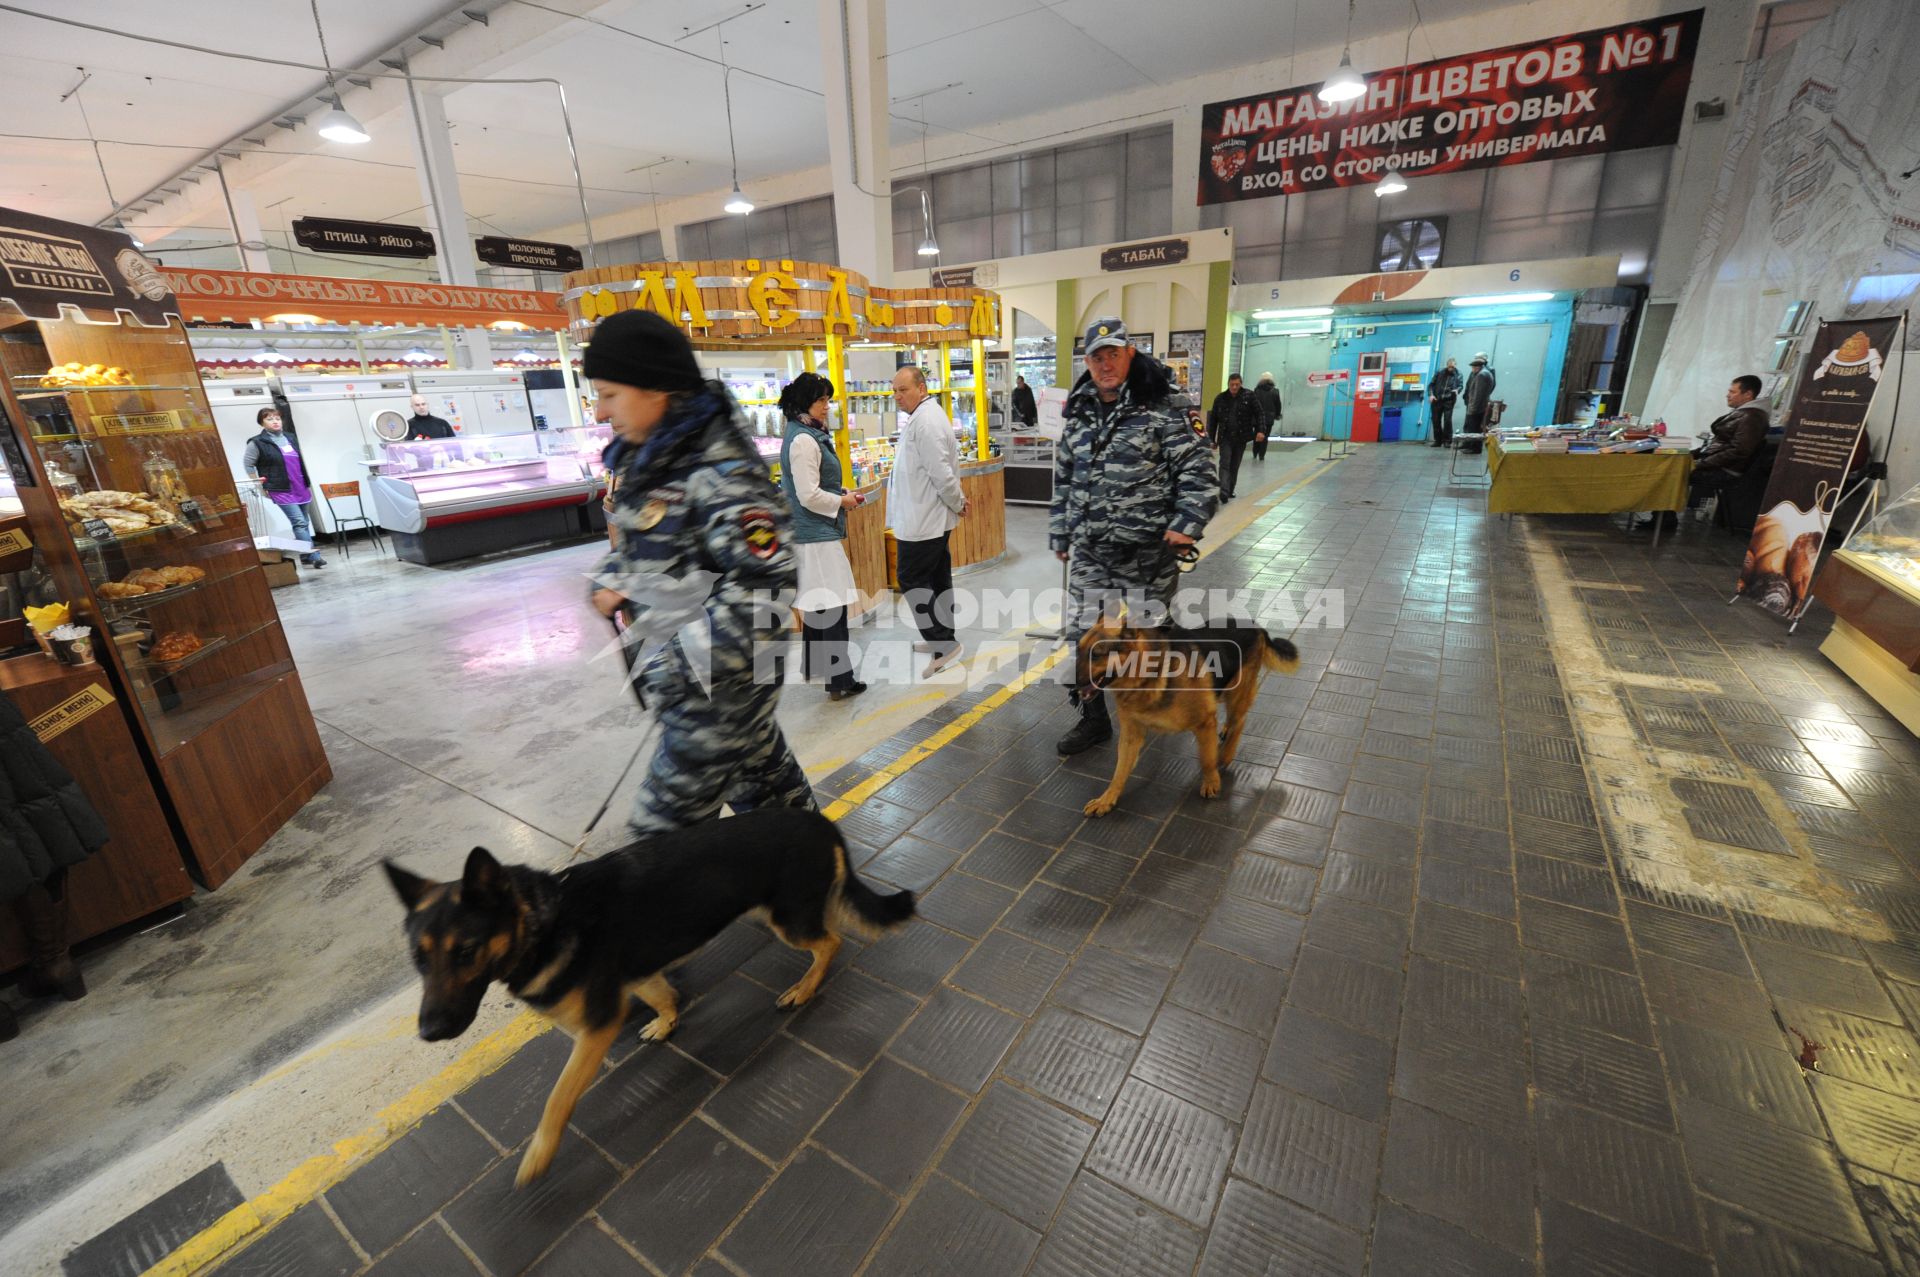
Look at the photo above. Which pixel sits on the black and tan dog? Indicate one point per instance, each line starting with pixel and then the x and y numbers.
pixel 1175 679
pixel 575 945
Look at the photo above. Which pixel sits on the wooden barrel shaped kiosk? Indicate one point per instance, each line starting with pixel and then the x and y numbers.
pixel 818 310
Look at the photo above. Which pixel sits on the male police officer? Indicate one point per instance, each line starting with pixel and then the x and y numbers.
pixel 1132 485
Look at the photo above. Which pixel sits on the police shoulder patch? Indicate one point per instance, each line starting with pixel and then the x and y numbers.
pixel 761 532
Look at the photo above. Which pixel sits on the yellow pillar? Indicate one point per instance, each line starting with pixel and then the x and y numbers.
pixel 842 437
pixel 980 400
pixel 946 378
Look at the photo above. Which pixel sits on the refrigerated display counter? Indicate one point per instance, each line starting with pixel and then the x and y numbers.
pixel 446 499
pixel 1872 584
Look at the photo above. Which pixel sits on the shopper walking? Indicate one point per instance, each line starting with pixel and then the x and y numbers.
pixel 273 457
pixel 1232 421
pixel 1133 486
pixel 817 498
pixel 1478 394
pixel 1266 396
pixel 924 505
pixel 47 826
pixel 1441 396
pixel 1025 411
pixel 703 542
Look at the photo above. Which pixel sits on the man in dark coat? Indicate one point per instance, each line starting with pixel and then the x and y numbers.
pixel 1266 396
pixel 46 827
pixel 1232 422
pixel 1478 393
pixel 1025 411
pixel 1442 395
pixel 1735 439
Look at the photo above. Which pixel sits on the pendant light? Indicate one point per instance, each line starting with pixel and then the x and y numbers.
pixel 929 246
pixel 1345 84
pixel 1392 183
pixel 336 124
pixel 737 202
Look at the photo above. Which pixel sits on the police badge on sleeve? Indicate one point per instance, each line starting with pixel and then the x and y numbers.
pixel 761 532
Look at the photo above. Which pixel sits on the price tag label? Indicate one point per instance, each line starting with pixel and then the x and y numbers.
pixel 190 509
pixel 97 530
pixel 13 541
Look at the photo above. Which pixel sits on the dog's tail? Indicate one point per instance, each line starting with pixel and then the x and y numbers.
pixel 860 909
pixel 1280 655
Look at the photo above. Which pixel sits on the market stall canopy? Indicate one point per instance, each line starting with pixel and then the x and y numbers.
pixel 749 302
pixel 237 295
pixel 49 267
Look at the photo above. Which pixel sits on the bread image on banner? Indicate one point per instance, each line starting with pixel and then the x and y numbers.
pixel 1778 571
pixel 1851 358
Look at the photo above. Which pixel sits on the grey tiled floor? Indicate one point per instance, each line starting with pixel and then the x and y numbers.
pixel 1492 959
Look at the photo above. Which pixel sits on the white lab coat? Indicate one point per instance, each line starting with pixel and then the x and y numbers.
pixel 924 497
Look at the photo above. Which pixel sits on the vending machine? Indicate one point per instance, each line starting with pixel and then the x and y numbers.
pixel 1369 392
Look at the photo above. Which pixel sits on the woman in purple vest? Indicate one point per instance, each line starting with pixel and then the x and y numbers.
pixel 273 457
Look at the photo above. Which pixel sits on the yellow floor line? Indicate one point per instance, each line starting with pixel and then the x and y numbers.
pixel 324 1170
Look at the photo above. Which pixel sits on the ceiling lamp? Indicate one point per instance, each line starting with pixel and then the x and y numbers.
pixel 528 355
pixel 1345 84
pixel 1294 312
pixel 738 202
pixel 1500 299
pixel 335 124
pixel 929 247
pixel 1392 183
pixel 270 354
pixel 418 356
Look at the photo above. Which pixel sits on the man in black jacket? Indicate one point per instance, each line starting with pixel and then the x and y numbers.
pixel 1025 411
pixel 1232 421
pixel 424 425
pixel 1736 437
pixel 1266 397
pixel 1441 395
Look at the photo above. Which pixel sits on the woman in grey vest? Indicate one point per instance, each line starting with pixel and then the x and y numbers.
pixel 810 474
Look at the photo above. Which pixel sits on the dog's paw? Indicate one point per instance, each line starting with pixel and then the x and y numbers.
pixel 1100 806
pixel 1210 785
pixel 656 1029
pixel 534 1164
pixel 795 998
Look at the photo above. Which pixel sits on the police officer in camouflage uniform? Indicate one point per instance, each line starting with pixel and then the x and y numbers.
pixel 1132 485
pixel 702 547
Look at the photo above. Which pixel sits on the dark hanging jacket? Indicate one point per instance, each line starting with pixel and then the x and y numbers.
pixel 46 822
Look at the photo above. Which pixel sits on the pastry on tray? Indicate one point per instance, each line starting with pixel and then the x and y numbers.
pixel 177 646
pixel 123 512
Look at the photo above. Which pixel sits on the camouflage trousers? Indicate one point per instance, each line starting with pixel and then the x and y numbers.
pixel 724 749
pixel 1099 576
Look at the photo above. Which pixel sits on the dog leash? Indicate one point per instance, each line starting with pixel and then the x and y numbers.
pixel 652 730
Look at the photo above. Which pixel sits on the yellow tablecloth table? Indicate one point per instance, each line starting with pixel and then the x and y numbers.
pixel 1529 482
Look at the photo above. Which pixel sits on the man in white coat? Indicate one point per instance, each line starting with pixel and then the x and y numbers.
pixel 924 504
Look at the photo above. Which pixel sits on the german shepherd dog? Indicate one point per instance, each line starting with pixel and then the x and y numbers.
pixel 576 944
pixel 1174 679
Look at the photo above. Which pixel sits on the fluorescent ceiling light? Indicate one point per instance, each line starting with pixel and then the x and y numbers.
pixel 1392 183
pixel 1298 312
pixel 336 125
pixel 1500 299
pixel 737 202
pixel 1345 84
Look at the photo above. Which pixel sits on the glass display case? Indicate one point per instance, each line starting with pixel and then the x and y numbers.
pixel 124 490
pixel 446 499
pixel 1890 541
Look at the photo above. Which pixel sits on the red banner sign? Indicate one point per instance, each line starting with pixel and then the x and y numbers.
pixel 1614 89
pixel 214 295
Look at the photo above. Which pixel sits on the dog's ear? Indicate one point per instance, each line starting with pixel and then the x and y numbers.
pixel 409 887
pixel 483 878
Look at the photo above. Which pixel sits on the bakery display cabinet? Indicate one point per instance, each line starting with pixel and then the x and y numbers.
pixel 125 490
pixel 1872 584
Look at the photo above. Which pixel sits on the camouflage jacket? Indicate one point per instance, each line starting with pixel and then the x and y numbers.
pixel 703 538
pixel 1130 476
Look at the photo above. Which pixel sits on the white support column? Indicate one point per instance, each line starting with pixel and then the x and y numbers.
pixel 246 230
pixel 853 45
pixel 447 211
pixel 1186 169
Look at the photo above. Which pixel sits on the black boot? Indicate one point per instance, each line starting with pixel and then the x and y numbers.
pixel 1092 729
pixel 42 910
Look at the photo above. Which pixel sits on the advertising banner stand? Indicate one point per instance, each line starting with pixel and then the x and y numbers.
pixel 1811 474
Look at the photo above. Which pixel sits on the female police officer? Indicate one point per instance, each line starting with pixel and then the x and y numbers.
pixel 701 557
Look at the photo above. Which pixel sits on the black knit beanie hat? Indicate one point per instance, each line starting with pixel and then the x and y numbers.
pixel 640 348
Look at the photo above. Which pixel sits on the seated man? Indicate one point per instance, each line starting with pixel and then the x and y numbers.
pixel 1736 437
